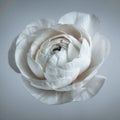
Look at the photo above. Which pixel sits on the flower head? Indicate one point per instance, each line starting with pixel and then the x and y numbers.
pixel 59 61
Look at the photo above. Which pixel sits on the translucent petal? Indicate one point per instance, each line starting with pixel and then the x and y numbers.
pixel 58 77
pixel 45 35
pixel 21 59
pixel 84 59
pixel 35 67
pixel 55 97
pixel 80 81
pixel 69 29
pixel 62 57
pixel 40 84
pixel 48 96
pixel 90 23
pixel 100 50
pixel 22 48
pixel 21 45
pixel 11 56
pixel 90 89
pixel 72 52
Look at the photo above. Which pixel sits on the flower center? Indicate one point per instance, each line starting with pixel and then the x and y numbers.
pixel 58 48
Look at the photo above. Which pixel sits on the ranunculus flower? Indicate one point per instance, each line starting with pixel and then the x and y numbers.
pixel 59 61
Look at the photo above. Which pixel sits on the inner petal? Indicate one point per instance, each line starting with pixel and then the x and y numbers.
pixel 50 47
pixel 45 35
pixel 61 57
pixel 72 52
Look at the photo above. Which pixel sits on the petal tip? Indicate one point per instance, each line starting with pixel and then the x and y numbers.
pixel 11 56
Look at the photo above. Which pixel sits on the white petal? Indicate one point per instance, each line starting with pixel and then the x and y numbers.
pixel 74 41
pixel 72 52
pixel 69 29
pixel 82 65
pixel 54 97
pixel 84 59
pixel 80 81
pixel 88 22
pixel 58 77
pixel 22 48
pixel 21 59
pixel 48 96
pixel 11 56
pixel 53 60
pixel 24 42
pixel 100 50
pixel 62 57
pixel 42 23
pixel 40 84
pixel 57 72
pixel 85 56
pixel 90 89
pixel 74 68
pixel 34 28
pixel 45 35
pixel 35 67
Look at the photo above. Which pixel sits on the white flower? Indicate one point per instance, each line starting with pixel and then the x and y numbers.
pixel 59 61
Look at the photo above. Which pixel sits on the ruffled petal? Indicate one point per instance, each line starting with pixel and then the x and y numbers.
pixel 55 97
pixel 90 89
pixel 35 67
pixel 34 28
pixel 21 59
pixel 45 35
pixel 90 23
pixel 23 46
pixel 40 24
pixel 11 56
pixel 69 29
pixel 100 50
pixel 58 77
pixel 61 57
pixel 48 96
pixel 80 81
pixel 84 59
pixel 72 52
pixel 40 84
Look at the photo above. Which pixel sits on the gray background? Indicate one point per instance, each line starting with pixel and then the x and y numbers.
pixel 16 103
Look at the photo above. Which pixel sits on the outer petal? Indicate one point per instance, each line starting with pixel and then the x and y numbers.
pixel 69 29
pixel 48 96
pixel 88 22
pixel 40 84
pixel 11 56
pixel 55 97
pixel 32 30
pixel 90 89
pixel 81 80
pixel 100 50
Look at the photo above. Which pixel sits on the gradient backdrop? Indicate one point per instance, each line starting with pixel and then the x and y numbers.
pixel 16 103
